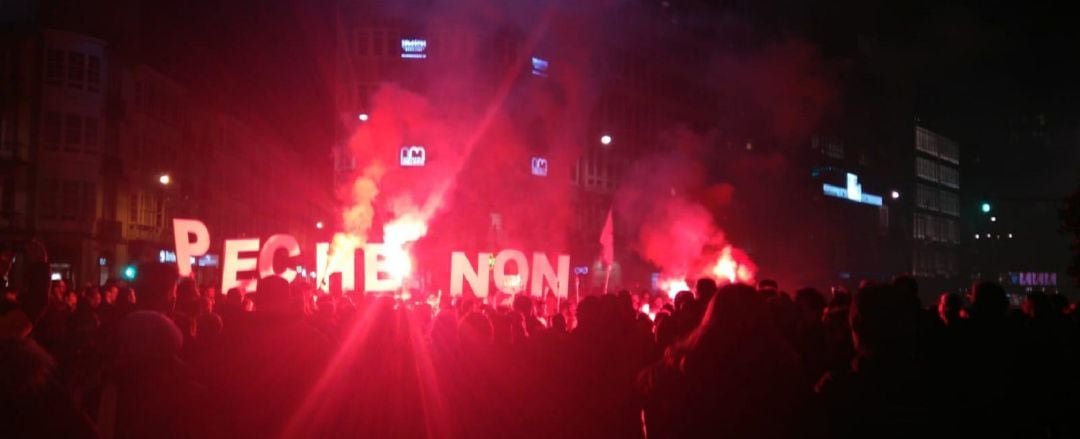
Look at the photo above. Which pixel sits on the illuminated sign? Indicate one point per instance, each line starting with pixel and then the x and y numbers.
pixel 510 270
pixel 1034 279
pixel 852 192
pixel 413 48
pixel 539 166
pixel 413 156
pixel 539 67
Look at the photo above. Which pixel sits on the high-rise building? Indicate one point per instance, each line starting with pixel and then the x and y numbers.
pixel 936 215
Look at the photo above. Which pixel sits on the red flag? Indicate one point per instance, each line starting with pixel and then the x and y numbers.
pixel 607 241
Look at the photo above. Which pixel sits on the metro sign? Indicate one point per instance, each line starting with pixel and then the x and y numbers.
pixel 852 192
pixel 413 156
pixel 539 167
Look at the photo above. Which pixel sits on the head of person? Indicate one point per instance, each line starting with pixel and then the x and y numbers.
pixel 476 329
pixel 71 299
pixel 58 288
pixel 127 296
pixel 768 286
pixel 682 299
pixel 112 292
pixel 810 303
pixel 272 294
pixel 93 298
pixel 949 307
pixel 989 301
pixel 706 288
pixel 523 304
pixel 881 319
pixel 1038 306
pixel 147 337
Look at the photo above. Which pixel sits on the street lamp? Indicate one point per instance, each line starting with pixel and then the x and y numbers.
pixel 605 139
pixel 164 179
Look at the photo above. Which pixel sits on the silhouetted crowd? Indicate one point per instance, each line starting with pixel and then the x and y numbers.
pixel 161 358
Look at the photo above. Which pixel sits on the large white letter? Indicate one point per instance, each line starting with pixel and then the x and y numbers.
pixel 462 270
pixel 343 263
pixel 509 283
pixel 233 264
pixel 185 249
pixel 542 271
pixel 375 263
pixel 266 255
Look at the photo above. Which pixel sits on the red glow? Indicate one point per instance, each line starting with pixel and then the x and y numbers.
pixel 673 285
pixel 732 265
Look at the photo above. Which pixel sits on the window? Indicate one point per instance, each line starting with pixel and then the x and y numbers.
pixel 93 73
pixel 950 203
pixel 926 197
pixel 50 135
pixel 54 67
pixel 76 69
pixel 87 207
pixel 379 43
pixel 926 169
pixel 90 134
pixel 72 132
pixel 7 133
pixel 69 200
pixel 949 176
pixel 50 198
pixel 363 43
pixel 133 208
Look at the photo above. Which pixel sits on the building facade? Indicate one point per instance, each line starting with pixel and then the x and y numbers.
pixel 99 152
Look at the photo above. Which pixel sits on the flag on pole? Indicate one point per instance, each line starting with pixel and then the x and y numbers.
pixel 607 241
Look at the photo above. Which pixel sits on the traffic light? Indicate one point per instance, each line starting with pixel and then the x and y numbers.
pixel 985 207
pixel 130 272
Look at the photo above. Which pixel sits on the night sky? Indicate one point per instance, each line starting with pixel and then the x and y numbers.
pixel 973 66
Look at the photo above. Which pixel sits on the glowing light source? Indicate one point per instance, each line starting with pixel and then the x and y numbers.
pixel 852 191
pixel 985 207
pixel 605 139
pixel 130 272
pixel 993 219
pixel 318 224
pixel 976 236
pixel 539 166
pixel 363 117
pixel 1010 236
pixel 413 48
pixel 539 67
pixel 894 194
pixel 673 286
pixel 413 156
pixel 164 179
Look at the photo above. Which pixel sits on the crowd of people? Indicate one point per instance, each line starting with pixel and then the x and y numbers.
pixel 161 357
